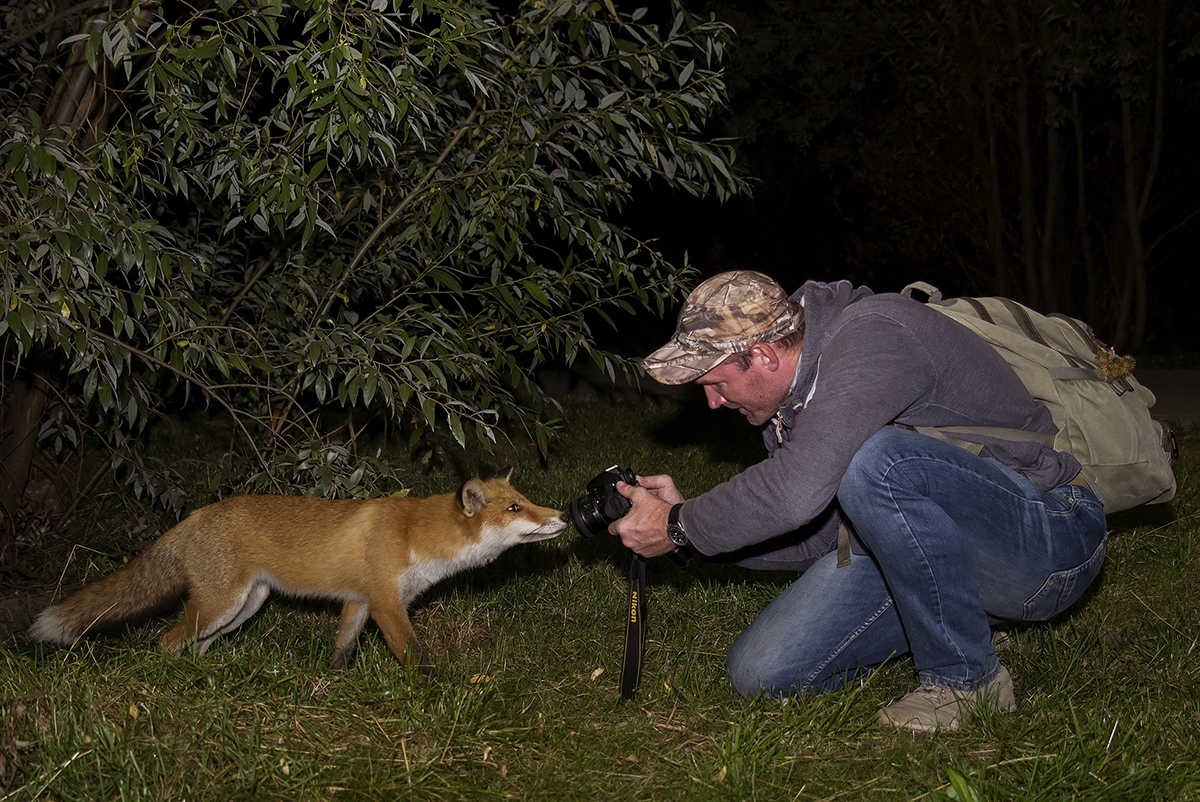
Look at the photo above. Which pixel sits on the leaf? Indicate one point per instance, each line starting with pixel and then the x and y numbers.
pixel 455 423
pixel 610 98
pixel 687 72
pixel 536 292
pixel 960 788
pixel 370 383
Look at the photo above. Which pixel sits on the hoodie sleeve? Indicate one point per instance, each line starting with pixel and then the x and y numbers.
pixel 872 369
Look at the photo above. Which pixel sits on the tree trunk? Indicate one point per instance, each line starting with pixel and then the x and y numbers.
pixel 1051 277
pixel 987 162
pixel 1141 145
pixel 1131 320
pixel 26 405
pixel 1092 281
pixel 80 102
pixel 39 87
pixel 1026 188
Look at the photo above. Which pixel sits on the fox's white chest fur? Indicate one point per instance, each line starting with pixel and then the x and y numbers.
pixel 424 571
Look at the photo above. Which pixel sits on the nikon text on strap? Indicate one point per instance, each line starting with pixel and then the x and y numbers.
pixel 635 628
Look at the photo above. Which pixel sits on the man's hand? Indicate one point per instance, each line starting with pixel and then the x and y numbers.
pixel 644 528
pixel 660 485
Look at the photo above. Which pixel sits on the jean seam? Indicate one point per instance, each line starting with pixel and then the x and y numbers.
pixel 926 678
pixel 809 681
pixel 1067 579
pixel 930 577
pixel 1075 497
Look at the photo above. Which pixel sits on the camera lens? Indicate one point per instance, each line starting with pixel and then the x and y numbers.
pixel 587 517
pixel 602 504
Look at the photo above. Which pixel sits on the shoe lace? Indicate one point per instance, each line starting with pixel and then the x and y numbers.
pixel 934 694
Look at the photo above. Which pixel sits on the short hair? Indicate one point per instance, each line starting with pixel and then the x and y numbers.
pixel 788 341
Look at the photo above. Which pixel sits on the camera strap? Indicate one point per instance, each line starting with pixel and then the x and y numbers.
pixel 635 628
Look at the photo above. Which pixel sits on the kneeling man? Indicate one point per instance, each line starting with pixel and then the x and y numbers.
pixel 909 545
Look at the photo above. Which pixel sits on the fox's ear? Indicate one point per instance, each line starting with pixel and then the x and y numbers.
pixel 473 497
pixel 504 473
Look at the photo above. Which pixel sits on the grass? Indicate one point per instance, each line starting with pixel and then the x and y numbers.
pixel 523 701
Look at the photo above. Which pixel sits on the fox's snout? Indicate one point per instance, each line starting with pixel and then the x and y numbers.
pixel 553 527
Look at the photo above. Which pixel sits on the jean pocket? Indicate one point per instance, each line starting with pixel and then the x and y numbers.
pixel 1063 588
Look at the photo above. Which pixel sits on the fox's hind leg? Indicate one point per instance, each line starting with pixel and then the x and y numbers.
pixel 207 614
pixel 184 632
pixel 354 615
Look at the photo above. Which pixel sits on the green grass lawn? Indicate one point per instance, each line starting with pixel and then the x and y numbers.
pixel 523 701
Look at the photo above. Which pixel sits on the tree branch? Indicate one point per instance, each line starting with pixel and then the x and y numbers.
pixel 187 377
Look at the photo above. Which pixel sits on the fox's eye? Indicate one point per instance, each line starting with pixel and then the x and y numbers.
pixel 514 507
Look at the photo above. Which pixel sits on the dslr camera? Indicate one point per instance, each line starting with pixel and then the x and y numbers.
pixel 602 504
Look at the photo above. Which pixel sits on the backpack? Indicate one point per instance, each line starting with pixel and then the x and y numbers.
pixel 1102 412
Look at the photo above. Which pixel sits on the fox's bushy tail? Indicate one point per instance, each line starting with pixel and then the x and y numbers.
pixel 149 581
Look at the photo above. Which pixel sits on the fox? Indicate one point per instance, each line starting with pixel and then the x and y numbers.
pixel 374 556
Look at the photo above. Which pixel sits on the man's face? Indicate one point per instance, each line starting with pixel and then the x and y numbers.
pixel 754 392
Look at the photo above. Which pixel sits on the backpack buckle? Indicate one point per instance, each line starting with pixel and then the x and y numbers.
pixel 1169 442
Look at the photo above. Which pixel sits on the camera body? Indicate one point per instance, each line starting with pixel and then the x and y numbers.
pixel 602 504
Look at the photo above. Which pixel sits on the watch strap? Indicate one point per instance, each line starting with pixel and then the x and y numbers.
pixel 675 530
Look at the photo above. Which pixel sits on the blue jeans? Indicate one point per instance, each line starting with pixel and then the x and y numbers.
pixel 957 542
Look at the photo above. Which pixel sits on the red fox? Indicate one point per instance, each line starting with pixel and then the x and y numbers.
pixel 374 556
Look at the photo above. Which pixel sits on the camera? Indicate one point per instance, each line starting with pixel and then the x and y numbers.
pixel 602 504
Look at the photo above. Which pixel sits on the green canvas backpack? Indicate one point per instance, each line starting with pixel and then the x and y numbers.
pixel 1102 412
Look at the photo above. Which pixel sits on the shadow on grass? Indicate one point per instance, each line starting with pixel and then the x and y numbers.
pixel 722 434
pixel 1153 516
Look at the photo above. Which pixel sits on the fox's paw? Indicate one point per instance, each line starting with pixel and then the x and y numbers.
pixel 341 658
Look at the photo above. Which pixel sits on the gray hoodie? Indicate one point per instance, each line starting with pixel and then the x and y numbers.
pixel 868 361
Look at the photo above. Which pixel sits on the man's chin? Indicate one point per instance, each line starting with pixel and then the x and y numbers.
pixel 754 419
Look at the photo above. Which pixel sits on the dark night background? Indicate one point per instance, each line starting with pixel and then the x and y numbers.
pixel 990 148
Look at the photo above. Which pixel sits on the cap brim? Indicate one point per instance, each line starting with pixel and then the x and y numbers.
pixel 673 365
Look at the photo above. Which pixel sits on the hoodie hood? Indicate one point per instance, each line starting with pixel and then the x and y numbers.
pixel 822 302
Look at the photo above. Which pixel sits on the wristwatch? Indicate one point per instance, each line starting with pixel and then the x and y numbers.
pixel 675 529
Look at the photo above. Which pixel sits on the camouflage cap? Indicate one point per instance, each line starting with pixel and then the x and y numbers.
pixel 724 315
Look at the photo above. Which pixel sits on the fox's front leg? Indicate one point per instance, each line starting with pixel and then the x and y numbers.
pixel 393 621
pixel 354 615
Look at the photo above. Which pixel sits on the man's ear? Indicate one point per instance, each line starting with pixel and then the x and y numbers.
pixel 766 356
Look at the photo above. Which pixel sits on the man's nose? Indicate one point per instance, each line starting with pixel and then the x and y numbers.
pixel 714 398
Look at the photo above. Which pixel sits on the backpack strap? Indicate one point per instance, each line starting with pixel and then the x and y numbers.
pixel 931 292
pixel 1068 374
pixel 947 433
pixel 843 545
